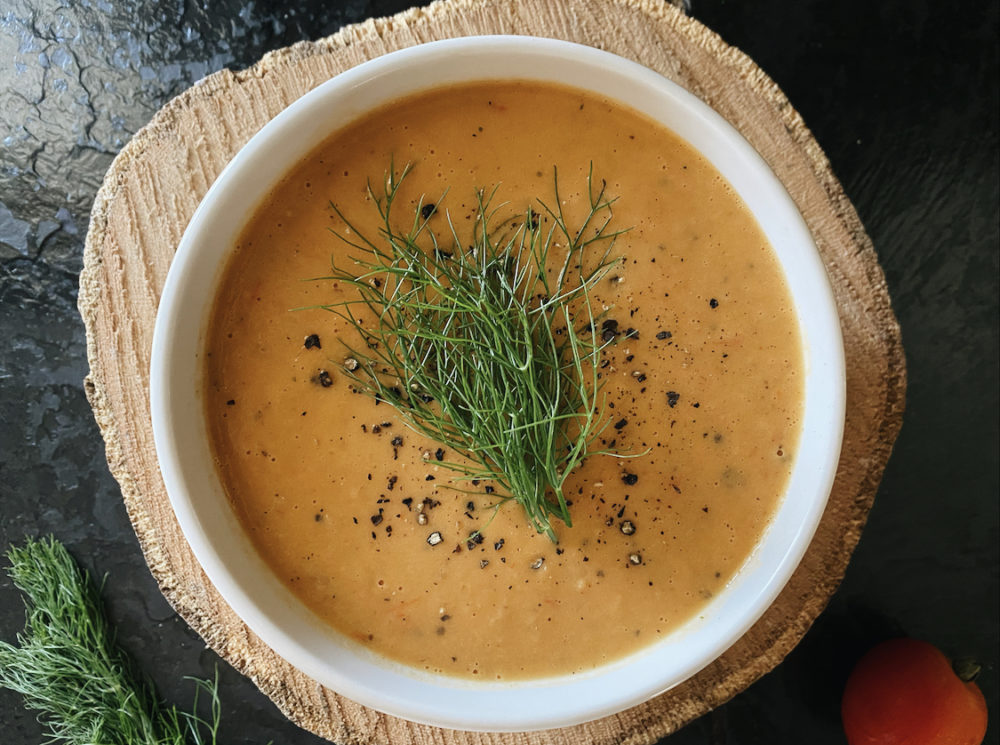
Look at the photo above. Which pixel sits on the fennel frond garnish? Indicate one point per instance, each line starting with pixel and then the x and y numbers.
pixel 487 345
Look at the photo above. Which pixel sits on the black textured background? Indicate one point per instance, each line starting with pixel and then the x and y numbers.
pixel 902 95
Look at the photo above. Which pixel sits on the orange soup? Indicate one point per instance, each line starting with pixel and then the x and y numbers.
pixel 356 513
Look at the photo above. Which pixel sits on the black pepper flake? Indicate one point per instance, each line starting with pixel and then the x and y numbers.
pixel 672 398
pixel 489 489
pixel 705 510
pixel 483 563
pixel 498 545
pixel 457 549
pixel 470 505
pixel 312 342
pixel 663 335
pixel 630 479
pixel 392 482
pixel 639 376
pixel 318 517
pixel 532 219
pixel 609 330
pixel 474 540
pixel 631 333
pixel 621 423
pixel 427 210
pixel 428 477
pixel 408 501
pixel 439 454
pixel 376 519
pixel 397 441
pixel 713 303
pixel 231 402
pixel 324 379
pixel 696 405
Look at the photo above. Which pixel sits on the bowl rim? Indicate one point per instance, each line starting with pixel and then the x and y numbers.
pixel 389 687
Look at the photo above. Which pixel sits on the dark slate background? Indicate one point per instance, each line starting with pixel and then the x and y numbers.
pixel 902 95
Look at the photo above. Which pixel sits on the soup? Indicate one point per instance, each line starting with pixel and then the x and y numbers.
pixel 358 514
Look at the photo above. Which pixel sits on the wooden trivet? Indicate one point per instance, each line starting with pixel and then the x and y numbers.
pixel 155 183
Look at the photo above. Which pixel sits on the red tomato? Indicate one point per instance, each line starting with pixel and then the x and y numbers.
pixel 904 692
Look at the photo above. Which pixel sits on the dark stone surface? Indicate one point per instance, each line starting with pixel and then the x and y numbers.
pixel 901 94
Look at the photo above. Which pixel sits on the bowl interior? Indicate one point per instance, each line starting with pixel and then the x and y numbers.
pixel 227 555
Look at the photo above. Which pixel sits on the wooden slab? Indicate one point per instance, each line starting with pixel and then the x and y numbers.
pixel 157 181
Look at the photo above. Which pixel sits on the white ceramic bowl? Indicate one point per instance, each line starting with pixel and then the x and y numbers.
pixel 230 560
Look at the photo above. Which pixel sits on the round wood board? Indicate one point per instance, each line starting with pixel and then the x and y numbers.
pixel 156 182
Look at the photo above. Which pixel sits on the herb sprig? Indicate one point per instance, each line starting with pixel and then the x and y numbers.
pixel 69 668
pixel 489 349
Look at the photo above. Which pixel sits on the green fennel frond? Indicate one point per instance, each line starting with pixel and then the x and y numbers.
pixel 487 345
pixel 69 668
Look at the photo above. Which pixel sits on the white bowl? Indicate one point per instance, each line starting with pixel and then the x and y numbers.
pixel 227 555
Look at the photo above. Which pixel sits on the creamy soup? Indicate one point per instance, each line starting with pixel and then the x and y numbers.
pixel 354 511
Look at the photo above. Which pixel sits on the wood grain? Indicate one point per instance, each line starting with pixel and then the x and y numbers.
pixel 155 183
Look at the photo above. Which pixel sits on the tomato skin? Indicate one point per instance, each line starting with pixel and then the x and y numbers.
pixel 904 692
